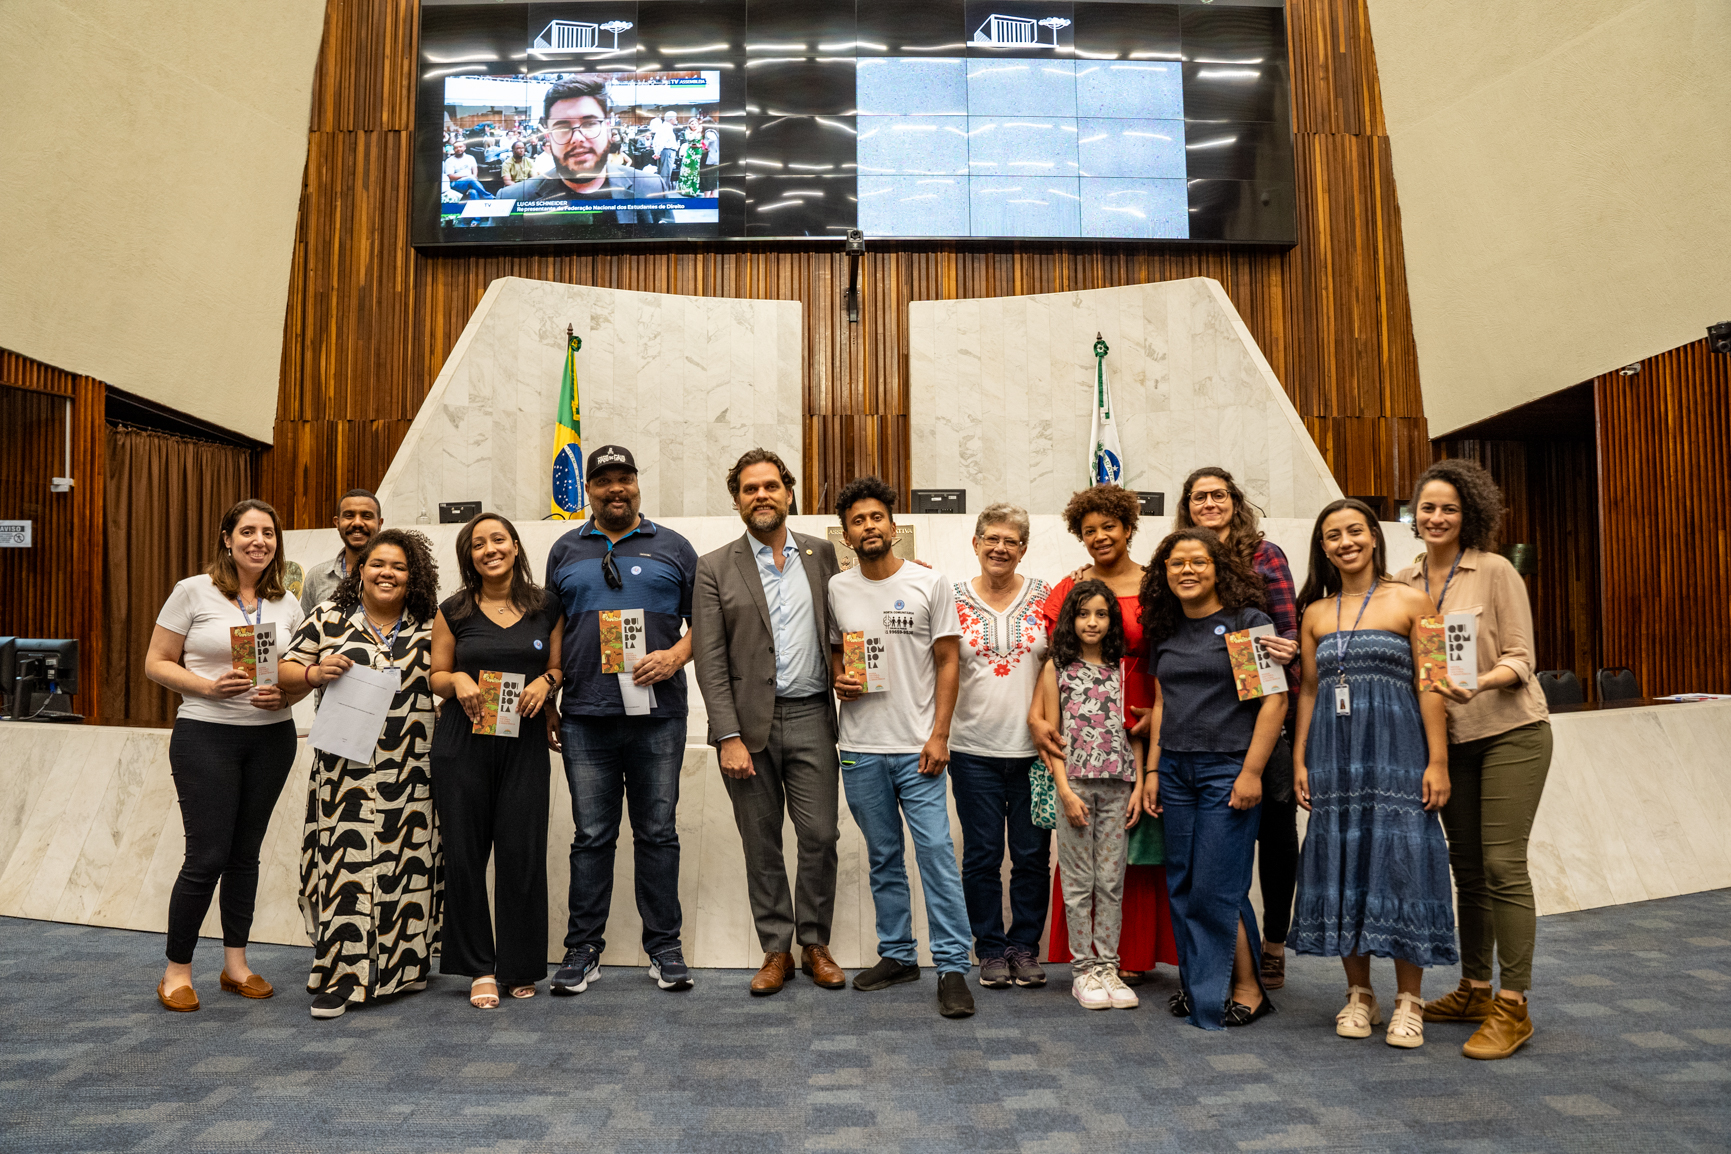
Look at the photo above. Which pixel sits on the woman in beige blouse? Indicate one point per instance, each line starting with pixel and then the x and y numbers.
pixel 1499 752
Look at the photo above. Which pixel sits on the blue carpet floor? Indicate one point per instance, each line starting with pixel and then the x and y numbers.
pixel 1633 1053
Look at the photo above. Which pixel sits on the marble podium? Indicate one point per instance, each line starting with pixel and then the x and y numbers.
pixel 1001 396
pixel 686 383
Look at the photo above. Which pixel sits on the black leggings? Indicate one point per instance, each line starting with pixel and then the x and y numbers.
pixel 1277 844
pixel 228 778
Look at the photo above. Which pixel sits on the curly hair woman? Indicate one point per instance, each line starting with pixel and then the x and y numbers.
pixel 368 890
pixel 1499 751
pixel 1211 499
pixel 1104 519
pixel 1210 749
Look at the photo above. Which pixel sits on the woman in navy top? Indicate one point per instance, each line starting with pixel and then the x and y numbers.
pixel 1211 749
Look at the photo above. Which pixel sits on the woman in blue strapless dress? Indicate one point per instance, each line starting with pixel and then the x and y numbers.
pixel 1371 766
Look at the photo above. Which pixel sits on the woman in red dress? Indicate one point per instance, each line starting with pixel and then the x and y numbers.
pixel 1103 518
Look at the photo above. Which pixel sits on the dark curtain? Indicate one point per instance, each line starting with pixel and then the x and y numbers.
pixel 166 497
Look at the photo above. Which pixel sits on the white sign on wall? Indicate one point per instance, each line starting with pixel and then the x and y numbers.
pixel 15 534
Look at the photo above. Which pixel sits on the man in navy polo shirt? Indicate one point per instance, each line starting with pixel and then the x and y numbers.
pixel 624 580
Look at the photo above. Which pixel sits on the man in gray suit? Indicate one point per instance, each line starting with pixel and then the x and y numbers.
pixel 760 630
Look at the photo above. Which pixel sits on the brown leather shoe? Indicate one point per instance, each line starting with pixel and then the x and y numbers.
pixel 1466 1003
pixel 777 969
pixel 816 964
pixel 253 987
pixel 1505 1030
pixel 1273 971
pixel 182 1000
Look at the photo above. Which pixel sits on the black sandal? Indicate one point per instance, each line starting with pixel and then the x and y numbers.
pixel 1239 1014
pixel 1178 1005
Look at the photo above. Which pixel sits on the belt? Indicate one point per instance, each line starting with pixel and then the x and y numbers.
pixel 816 697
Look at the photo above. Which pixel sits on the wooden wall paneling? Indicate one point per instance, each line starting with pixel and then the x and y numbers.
pixel 370 321
pixel 1552 495
pixel 1664 454
pixel 54 588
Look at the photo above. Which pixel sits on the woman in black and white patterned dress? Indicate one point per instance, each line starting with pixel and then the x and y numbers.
pixel 370 890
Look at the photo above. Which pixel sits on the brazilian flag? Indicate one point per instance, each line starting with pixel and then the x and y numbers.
pixel 570 498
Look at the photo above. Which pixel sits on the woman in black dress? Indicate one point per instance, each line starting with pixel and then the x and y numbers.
pixel 490 791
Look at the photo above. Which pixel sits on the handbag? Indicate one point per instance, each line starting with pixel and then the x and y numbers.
pixel 1042 795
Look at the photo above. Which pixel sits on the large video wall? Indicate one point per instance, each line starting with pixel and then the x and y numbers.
pixel 611 120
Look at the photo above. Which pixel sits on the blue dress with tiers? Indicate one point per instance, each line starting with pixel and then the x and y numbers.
pixel 1373 877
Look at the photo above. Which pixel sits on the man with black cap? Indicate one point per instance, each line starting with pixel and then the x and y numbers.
pixel 625 584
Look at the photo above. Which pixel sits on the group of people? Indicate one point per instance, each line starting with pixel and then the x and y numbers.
pixel 1103 708
pixel 661 157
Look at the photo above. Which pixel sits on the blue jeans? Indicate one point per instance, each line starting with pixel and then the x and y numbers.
pixel 472 189
pixel 991 797
pixel 882 789
pixel 1209 850
pixel 635 760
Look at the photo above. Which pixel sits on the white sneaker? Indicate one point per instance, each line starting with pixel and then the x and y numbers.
pixel 1122 996
pixel 1087 989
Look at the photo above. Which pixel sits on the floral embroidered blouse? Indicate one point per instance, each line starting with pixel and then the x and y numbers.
pixel 1001 658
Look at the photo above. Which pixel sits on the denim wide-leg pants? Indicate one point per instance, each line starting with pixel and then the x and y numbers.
pixel 1210 850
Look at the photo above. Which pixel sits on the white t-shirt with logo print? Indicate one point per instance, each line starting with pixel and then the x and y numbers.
pixel 909 610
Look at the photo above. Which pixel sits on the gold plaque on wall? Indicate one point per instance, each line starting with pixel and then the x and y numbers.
pixel 903 548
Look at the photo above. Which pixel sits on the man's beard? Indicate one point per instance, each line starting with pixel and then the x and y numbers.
pixel 567 172
pixel 875 548
pixel 614 523
pixel 766 519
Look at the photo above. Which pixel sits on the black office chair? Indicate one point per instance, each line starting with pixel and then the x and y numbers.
pixel 1561 687
pixel 1618 685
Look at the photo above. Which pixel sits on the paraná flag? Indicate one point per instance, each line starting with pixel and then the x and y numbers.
pixel 1105 458
pixel 570 497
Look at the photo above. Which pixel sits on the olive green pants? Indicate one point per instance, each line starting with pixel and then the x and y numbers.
pixel 1495 785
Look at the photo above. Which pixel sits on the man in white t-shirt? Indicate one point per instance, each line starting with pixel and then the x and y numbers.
pixel 462 172
pixel 899 622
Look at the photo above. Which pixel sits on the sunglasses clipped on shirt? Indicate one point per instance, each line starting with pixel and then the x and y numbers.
pixel 610 571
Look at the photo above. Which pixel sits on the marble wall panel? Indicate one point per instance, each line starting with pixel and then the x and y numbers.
pixel 1001 395
pixel 686 383
pixel 98 840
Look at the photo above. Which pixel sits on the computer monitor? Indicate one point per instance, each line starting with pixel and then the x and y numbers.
pixel 43 669
pixel 8 651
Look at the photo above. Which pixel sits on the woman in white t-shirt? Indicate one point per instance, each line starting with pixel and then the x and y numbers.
pixel 233 742
pixel 1003 646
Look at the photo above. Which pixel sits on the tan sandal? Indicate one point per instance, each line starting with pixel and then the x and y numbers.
pixel 1406 1024
pixel 484 1001
pixel 521 992
pixel 1360 1013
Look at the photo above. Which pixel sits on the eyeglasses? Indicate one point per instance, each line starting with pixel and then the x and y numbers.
pixel 998 542
pixel 561 131
pixel 610 571
pixel 1212 497
pixel 1181 566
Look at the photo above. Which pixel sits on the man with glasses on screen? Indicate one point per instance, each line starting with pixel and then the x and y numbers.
pixel 624 584
pixel 578 118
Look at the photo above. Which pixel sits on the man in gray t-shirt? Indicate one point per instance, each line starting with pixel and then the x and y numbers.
pixel 358 518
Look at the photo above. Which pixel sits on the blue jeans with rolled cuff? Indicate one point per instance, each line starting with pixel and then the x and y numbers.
pixel 882 790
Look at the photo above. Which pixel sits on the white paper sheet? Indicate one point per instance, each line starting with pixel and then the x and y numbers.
pixel 639 699
pixel 352 713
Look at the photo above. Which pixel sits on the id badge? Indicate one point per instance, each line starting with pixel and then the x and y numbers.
pixel 1342 701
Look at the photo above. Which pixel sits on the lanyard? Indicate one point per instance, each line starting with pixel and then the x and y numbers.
pixel 1446 583
pixel 388 644
pixel 258 603
pixel 1345 636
